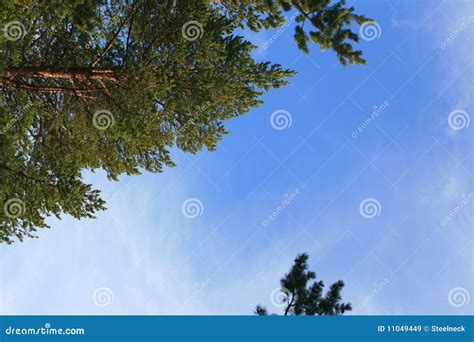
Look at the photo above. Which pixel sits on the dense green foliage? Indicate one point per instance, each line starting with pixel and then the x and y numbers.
pixel 114 85
pixel 303 295
pixel 327 22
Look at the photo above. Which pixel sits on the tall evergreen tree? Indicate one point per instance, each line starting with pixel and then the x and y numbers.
pixel 303 295
pixel 114 85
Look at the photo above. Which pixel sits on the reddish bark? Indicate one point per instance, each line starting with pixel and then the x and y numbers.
pixel 79 73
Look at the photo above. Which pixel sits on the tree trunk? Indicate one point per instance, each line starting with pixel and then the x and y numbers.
pixel 78 73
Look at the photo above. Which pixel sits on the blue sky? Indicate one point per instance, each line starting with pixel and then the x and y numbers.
pixel 411 162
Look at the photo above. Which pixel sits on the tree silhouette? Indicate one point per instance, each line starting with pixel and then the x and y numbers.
pixel 303 295
pixel 115 85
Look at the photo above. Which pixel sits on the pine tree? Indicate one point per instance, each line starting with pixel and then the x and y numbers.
pixel 328 23
pixel 114 85
pixel 303 295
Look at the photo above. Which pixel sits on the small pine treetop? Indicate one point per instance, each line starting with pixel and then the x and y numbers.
pixel 304 295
